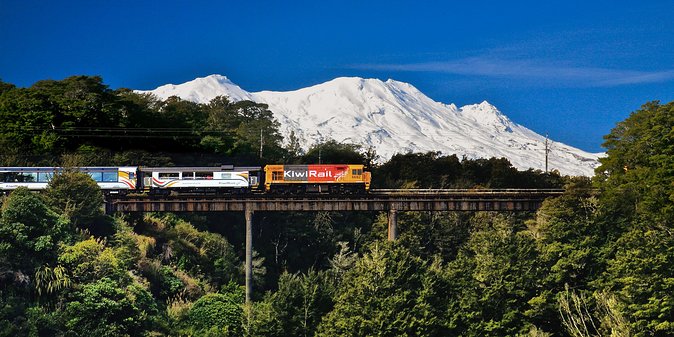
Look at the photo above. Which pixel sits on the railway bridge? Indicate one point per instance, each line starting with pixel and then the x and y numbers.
pixel 385 200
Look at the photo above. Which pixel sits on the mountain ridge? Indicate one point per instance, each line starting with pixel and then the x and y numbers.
pixel 393 117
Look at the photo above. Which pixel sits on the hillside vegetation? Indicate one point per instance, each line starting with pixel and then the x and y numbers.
pixel 597 261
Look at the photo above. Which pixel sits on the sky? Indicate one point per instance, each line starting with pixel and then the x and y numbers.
pixel 570 69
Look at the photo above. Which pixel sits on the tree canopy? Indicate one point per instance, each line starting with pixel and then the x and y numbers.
pixel 81 112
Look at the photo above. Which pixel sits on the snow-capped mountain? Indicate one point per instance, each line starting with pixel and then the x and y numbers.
pixel 394 117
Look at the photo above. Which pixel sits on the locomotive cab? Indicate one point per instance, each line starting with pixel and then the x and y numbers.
pixel 326 178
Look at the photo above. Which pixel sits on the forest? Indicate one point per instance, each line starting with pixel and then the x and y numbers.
pixel 596 261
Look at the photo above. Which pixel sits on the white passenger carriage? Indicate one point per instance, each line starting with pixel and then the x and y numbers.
pixel 223 179
pixel 110 179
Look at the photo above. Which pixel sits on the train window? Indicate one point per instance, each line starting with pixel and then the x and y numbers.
pixel 169 175
pixel 277 175
pixel 96 176
pixel 10 177
pixel 357 172
pixel 226 176
pixel 44 177
pixel 132 175
pixel 188 175
pixel 27 177
pixel 203 175
pixel 110 176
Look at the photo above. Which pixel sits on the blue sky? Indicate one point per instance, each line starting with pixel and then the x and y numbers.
pixel 568 68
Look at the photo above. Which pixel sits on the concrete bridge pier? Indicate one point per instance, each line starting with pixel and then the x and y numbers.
pixel 249 251
pixel 392 224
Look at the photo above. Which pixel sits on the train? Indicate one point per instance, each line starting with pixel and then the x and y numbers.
pixel 224 179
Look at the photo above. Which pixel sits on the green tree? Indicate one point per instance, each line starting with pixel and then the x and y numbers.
pixel 493 279
pixel 176 113
pixel 294 148
pixel 90 260
pixel 388 293
pixel 107 308
pixel 191 250
pixel 138 110
pixel 300 302
pixel 30 235
pixel 80 101
pixel 257 120
pixel 433 170
pixel 217 314
pixel 30 232
pixel 221 123
pixel 427 234
pixel 238 128
pixel 4 86
pixel 26 119
pixel 80 106
pixel 571 244
pixel 637 202
pixel 75 195
pixel 422 170
pixel 637 174
pixel 261 319
pixel 45 321
pixel 642 275
pixel 332 152
pixel 581 318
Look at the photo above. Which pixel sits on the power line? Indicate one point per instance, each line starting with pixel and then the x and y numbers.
pixel 122 132
pixel 120 129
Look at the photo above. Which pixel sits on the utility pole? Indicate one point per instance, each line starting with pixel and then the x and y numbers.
pixel 261 143
pixel 319 155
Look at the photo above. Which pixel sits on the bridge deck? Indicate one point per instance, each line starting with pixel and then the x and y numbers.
pixel 376 200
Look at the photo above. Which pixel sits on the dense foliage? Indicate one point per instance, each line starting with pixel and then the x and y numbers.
pixel 82 114
pixel 597 261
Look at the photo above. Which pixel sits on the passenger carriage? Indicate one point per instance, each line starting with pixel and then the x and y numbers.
pixel 223 179
pixel 111 180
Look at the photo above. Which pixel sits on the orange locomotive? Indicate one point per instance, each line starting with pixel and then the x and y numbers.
pixel 333 178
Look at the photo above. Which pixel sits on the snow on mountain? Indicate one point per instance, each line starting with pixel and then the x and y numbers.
pixel 202 90
pixel 395 117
